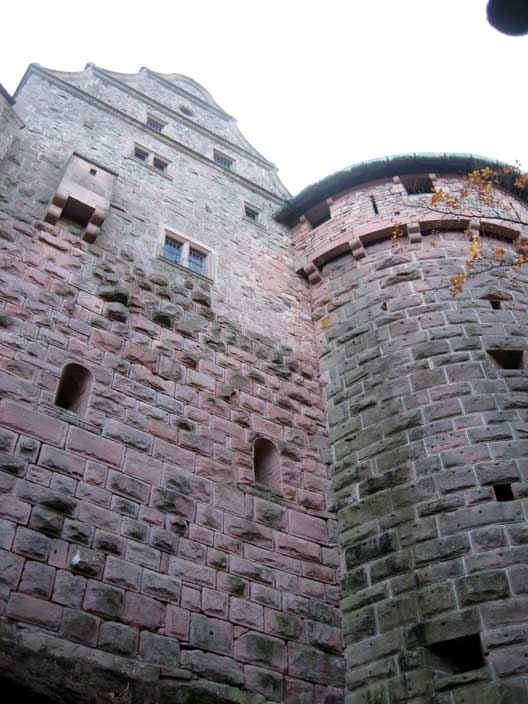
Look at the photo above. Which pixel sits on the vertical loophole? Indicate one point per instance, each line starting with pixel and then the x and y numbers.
pixel 74 385
pixel 374 205
pixel 266 463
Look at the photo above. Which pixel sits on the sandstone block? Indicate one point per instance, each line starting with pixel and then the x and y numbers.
pixel 260 649
pixel 211 634
pixel 160 650
pixel 80 627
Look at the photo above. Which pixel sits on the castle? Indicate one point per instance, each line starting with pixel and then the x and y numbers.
pixel 250 450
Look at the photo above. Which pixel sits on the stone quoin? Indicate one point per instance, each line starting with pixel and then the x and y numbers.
pixel 251 452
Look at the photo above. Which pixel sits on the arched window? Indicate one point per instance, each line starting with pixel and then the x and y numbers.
pixel 74 386
pixel 266 463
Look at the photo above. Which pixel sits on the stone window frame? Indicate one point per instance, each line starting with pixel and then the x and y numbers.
pixel 159 164
pixel 223 160
pixel 187 244
pixel 253 209
pixel 153 118
pixel 151 157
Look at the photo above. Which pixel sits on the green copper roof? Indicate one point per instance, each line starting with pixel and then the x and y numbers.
pixel 399 164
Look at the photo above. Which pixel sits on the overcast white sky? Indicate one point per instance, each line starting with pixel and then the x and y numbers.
pixel 315 86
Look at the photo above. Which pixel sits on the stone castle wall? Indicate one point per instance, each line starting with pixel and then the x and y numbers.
pixel 137 530
pixel 424 424
pixel 195 197
pixel 300 478
pixel 137 548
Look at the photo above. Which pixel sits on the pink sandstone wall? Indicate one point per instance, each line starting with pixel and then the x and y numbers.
pixel 426 429
pixel 136 531
pixel 136 548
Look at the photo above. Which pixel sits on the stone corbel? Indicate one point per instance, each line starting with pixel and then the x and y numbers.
pixel 473 226
pixel 356 245
pixel 522 240
pixel 313 273
pixel 91 186
pixel 414 232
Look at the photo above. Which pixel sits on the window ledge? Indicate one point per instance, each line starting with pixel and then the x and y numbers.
pixel 151 168
pixel 185 269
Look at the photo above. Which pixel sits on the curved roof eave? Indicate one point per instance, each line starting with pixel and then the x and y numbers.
pixel 386 167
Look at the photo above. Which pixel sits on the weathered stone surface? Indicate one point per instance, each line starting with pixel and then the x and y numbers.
pixel 214 667
pixel 147 545
pixel 118 638
pixel 211 634
pixel 261 649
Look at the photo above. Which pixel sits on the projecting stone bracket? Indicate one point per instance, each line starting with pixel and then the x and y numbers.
pixel 83 196
pixel 313 273
pixel 414 232
pixel 364 235
pixel 356 245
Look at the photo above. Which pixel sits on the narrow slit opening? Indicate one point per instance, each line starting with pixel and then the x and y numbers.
pixel 374 205
pixel 266 463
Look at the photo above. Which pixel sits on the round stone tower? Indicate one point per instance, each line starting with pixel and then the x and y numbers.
pixel 427 398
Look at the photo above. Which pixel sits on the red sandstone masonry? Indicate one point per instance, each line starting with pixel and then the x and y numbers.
pixel 140 528
pixel 29 609
pixel 21 419
pixel 93 446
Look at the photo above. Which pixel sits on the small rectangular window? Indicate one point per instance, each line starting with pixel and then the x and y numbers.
pixel 159 164
pixel 141 154
pixel 172 249
pixel 251 213
pixel 155 124
pixel 196 261
pixel 462 654
pixel 319 214
pixel 179 249
pixel 417 184
pixel 507 359
pixel 503 492
pixel 223 160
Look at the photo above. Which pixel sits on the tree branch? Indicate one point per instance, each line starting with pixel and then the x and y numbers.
pixel 469 216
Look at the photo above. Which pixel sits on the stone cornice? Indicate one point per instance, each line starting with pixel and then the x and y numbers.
pixel 109 77
pixel 106 107
pixel 355 238
pixel 399 165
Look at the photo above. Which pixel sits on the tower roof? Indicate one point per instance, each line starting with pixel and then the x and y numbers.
pixel 386 167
